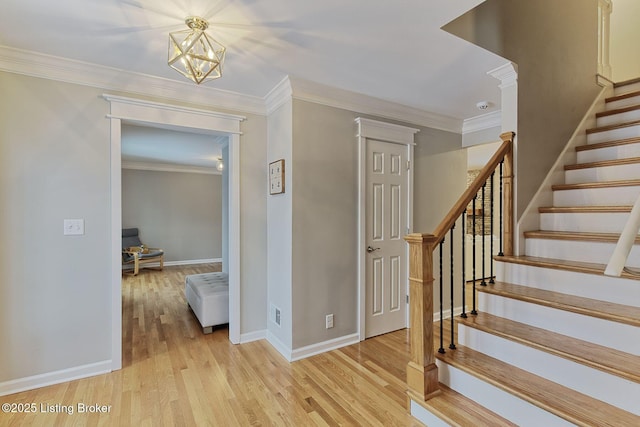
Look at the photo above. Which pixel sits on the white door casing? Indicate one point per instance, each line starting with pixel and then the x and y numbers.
pixel 141 111
pixel 385 215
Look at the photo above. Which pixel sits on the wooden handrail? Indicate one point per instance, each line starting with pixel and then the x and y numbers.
pixel 422 372
pixel 504 152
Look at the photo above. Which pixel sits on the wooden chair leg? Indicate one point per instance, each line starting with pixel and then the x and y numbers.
pixel 161 262
pixel 136 267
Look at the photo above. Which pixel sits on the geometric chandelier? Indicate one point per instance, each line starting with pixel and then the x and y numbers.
pixel 194 53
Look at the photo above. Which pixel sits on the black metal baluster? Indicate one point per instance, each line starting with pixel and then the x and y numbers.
pixel 473 253
pixel 464 267
pixel 483 258
pixel 452 346
pixel 441 349
pixel 501 253
pixel 491 276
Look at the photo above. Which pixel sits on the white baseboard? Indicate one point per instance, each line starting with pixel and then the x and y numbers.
pixel 173 263
pixel 313 349
pixel 253 336
pixel 446 314
pixel 279 345
pixel 322 347
pixel 56 377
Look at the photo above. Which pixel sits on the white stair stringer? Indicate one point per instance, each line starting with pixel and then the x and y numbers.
pixel 597 222
pixel 600 196
pixel 617 290
pixel 577 250
pixel 598 384
pixel 622 151
pixel 495 399
pixel 620 336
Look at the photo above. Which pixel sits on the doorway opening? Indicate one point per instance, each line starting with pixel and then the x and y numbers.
pixel 141 112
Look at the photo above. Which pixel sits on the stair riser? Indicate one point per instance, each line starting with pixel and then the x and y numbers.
pixel 497 400
pixel 622 103
pixel 619 118
pixel 593 222
pixel 614 134
pixel 609 153
pixel 596 252
pixel 603 174
pixel 604 288
pixel 621 90
pixel 584 379
pixel 621 196
pixel 599 331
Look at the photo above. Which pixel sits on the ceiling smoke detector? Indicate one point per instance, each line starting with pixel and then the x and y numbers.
pixel 482 105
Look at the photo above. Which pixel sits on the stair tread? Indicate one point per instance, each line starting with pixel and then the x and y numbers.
pixel 458 410
pixel 606 144
pixel 603 163
pixel 612 127
pixel 576 235
pixel 590 307
pixel 561 264
pixel 559 400
pixel 585 209
pixel 604 184
pixel 623 96
pixel 612 361
pixel 626 82
pixel 618 111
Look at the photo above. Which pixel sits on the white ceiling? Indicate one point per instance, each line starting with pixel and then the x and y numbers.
pixel 389 50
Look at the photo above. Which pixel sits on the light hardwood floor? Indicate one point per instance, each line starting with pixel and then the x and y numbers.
pixel 174 375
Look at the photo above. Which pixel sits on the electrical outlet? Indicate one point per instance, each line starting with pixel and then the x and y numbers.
pixel 329 321
pixel 278 316
pixel 73 227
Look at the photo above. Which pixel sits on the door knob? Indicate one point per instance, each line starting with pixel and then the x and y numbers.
pixel 370 249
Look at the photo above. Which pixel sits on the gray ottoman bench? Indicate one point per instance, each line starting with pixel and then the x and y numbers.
pixel 208 297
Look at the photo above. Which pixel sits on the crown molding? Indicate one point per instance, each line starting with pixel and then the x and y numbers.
pixel 78 72
pixel 364 104
pixel 482 122
pixel 507 74
pixel 280 94
pixel 165 167
pixel 71 71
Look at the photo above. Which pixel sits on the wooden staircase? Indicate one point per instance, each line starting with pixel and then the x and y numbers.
pixel 556 342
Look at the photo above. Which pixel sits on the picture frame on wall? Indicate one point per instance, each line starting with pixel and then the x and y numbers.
pixel 276 177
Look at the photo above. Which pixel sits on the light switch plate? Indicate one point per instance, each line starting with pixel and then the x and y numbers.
pixel 73 227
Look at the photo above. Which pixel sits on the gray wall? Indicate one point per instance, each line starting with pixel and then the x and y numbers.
pixel 55 164
pixel 179 212
pixel 554 44
pixel 325 211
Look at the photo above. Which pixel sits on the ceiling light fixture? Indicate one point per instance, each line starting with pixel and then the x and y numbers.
pixel 194 53
pixel 220 165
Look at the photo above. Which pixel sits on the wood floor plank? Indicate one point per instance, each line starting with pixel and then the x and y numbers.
pixel 174 375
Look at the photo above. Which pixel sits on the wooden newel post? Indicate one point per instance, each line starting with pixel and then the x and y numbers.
pixel 507 180
pixel 422 372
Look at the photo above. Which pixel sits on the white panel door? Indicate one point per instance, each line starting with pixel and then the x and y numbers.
pixel 386 225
